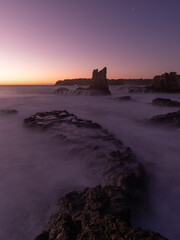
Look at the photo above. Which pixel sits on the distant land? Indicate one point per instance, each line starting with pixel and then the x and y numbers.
pixel 86 81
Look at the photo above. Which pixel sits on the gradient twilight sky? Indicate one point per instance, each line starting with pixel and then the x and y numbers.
pixel 42 41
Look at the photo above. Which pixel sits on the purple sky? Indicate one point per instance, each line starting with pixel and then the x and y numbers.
pixel 42 41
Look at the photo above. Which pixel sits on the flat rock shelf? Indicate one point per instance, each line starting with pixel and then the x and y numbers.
pixel 100 212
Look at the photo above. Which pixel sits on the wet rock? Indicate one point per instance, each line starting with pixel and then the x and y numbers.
pixel 8 111
pixel 124 98
pixel 43 236
pixel 49 120
pixel 98 86
pixel 62 90
pixel 167 82
pixel 81 88
pixel 165 102
pixel 112 162
pixel 99 213
pixel 169 119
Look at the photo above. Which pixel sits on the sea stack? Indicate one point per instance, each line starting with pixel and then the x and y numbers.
pixel 99 82
pixel 98 86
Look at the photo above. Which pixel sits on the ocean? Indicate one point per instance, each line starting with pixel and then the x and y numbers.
pixel 36 170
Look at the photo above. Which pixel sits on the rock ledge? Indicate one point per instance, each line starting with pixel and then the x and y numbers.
pixel 101 212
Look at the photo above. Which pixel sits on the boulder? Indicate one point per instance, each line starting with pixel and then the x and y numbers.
pixel 167 82
pixel 165 102
pixel 99 213
pixel 170 119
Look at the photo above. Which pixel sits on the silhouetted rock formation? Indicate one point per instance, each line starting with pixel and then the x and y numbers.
pixel 99 213
pixel 169 119
pixel 124 98
pixel 8 111
pixel 167 82
pixel 165 102
pixel 98 86
pixel 99 82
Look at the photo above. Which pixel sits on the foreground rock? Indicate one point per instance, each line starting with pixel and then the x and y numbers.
pixel 167 82
pixel 165 102
pixel 169 119
pixel 111 162
pixel 8 111
pixel 124 98
pixel 98 85
pixel 99 213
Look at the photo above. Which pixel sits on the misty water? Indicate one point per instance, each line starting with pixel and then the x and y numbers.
pixel 36 170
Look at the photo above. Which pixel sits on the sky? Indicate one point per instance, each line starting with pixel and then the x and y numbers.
pixel 42 41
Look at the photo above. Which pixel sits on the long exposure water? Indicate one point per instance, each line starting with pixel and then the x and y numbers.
pixel 35 170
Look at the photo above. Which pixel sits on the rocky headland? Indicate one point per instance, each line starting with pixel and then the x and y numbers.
pixel 167 82
pixel 101 212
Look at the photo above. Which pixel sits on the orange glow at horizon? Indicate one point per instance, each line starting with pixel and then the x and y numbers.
pixel 32 69
pixel 45 41
pixel 19 71
pixel 22 79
